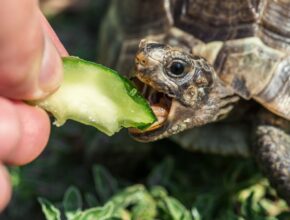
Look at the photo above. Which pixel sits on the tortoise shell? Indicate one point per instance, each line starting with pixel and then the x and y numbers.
pixel 247 41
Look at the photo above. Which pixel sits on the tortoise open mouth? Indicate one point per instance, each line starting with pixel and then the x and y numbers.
pixel 159 102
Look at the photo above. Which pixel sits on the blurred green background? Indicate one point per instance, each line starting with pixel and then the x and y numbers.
pixel 172 183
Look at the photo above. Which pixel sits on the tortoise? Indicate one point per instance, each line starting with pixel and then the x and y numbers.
pixel 219 69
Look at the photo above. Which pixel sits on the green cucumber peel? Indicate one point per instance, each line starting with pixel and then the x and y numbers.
pixel 95 95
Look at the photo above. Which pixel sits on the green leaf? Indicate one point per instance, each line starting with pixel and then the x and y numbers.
pixel 15 176
pixel 91 200
pixel 170 207
pixel 195 214
pixel 138 201
pixel 72 202
pixel 105 184
pixel 100 213
pixel 161 173
pixel 49 210
pixel 175 209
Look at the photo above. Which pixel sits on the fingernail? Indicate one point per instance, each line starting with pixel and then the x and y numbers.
pixel 51 71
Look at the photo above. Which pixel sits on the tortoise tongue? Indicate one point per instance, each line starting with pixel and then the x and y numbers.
pixel 161 113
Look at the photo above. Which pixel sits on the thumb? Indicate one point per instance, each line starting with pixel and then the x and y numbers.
pixel 30 65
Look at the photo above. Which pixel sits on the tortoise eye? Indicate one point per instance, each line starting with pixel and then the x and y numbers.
pixel 177 68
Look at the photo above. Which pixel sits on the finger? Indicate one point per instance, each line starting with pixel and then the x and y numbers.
pixel 5 186
pixel 30 66
pixel 35 129
pixel 9 128
pixel 52 35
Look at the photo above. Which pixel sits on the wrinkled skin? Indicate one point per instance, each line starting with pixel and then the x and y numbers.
pixel 196 94
pixel 198 97
pixel 249 51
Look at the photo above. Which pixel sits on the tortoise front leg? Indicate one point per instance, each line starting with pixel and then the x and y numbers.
pixel 272 151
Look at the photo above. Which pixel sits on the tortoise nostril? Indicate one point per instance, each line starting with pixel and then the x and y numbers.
pixel 141 59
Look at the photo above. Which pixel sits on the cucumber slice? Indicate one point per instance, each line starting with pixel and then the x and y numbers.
pixel 98 96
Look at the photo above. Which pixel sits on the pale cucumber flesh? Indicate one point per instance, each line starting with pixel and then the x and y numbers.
pixel 98 96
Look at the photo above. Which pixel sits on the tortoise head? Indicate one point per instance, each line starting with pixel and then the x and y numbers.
pixel 182 89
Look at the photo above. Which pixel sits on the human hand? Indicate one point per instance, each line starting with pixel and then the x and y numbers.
pixel 30 68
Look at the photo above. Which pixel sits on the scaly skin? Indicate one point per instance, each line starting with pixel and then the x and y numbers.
pixel 200 97
pixel 272 151
pixel 247 44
